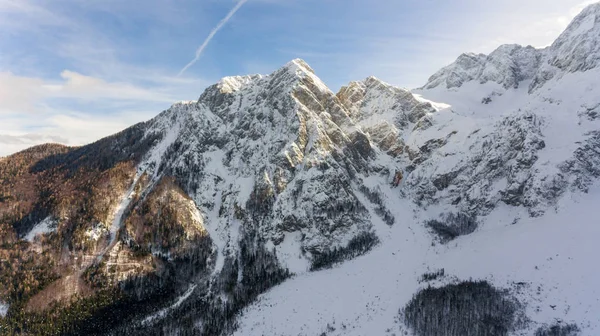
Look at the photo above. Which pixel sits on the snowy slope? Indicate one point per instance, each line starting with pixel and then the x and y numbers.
pixel 46 226
pixel 3 309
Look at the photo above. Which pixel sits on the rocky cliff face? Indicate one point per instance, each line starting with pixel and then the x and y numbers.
pixel 190 216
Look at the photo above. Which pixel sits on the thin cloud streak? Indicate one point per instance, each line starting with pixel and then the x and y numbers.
pixel 214 31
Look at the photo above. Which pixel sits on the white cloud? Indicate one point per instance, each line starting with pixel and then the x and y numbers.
pixel 97 95
pixel 19 93
pixel 564 20
pixel 102 96
pixel 83 128
pixel 538 28
pixel 80 86
pixel 29 138
pixel 27 15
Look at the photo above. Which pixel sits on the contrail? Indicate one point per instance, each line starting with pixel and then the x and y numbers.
pixel 212 34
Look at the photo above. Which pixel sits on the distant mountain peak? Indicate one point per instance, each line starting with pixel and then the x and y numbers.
pixel 508 65
pixel 576 49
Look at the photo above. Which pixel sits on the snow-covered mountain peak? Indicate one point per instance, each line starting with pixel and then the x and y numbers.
pixel 300 72
pixel 372 81
pixel 235 83
pixel 287 76
pixel 298 65
pixel 384 112
pixel 295 72
pixel 350 94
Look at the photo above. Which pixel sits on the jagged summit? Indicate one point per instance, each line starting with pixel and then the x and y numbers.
pixel 383 109
pixel 298 65
pixel 466 68
pixel 296 69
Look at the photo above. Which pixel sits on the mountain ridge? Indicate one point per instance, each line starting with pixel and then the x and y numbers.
pixel 572 51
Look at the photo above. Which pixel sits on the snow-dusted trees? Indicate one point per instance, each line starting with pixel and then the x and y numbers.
pixel 558 329
pixel 452 225
pixel 380 209
pixel 430 276
pixel 358 245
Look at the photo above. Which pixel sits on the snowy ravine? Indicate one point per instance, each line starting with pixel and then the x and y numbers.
pixel 46 226
pixel 176 304
pixel 3 309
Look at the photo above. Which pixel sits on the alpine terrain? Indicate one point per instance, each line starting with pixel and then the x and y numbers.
pixel 274 206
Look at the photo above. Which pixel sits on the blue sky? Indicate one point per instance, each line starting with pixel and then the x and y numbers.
pixel 72 71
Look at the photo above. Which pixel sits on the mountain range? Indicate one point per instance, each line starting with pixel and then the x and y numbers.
pixel 275 206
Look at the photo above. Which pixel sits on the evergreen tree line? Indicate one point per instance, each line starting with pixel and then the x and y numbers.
pixel 469 308
pixel 111 307
pixel 430 276
pixel 108 309
pixel 92 315
pixel 212 308
pixel 452 225
pixel 357 246
pixel 558 329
